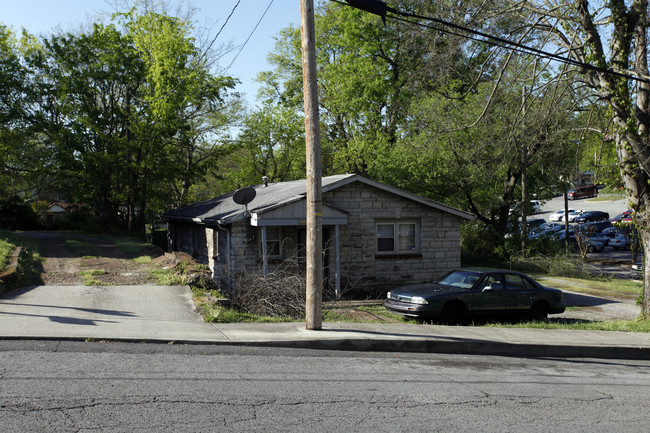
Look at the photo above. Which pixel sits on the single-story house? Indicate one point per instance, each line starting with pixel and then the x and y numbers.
pixel 375 236
pixel 55 211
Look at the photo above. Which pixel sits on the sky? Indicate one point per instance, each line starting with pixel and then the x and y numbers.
pixel 44 17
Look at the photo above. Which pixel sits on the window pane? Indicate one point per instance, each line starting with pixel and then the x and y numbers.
pixel 407 237
pixel 385 237
pixel 385 244
pixel 385 231
pixel 514 282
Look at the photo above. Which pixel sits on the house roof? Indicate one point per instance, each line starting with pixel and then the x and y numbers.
pixel 223 210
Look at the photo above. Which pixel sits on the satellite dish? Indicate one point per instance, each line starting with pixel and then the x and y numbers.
pixel 244 195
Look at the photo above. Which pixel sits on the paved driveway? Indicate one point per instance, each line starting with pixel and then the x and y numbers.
pixel 126 303
pixel 144 312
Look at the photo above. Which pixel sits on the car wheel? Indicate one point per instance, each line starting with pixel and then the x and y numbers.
pixel 452 314
pixel 591 249
pixel 539 311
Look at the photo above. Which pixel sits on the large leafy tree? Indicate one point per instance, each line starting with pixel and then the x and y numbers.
pixel 129 112
pixel 607 43
pixel 431 112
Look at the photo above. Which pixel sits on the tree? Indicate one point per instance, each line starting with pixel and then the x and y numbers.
pixel 127 111
pixel 608 43
pixel 424 111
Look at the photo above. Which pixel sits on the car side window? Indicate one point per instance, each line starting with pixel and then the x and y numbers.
pixel 495 281
pixel 530 285
pixel 515 282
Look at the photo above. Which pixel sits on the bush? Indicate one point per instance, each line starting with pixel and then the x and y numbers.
pixel 477 241
pixel 79 219
pixel 16 214
pixel 278 294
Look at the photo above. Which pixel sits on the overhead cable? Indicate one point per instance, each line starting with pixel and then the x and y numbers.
pixel 381 9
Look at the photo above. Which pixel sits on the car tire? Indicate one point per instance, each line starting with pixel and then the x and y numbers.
pixel 539 311
pixel 591 249
pixel 452 314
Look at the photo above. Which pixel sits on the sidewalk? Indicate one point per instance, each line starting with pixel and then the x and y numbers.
pixel 163 314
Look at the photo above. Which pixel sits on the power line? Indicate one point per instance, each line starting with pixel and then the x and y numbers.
pixel 381 9
pixel 249 36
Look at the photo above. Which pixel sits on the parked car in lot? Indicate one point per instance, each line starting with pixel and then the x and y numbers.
pixel 572 215
pixel 559 215
pixel 586 191
pixel 625 217
pixel 546 229
pixel 597 227
pixel 611 232
pixel 465 293
pixel 619 243
pixel 591 216
pixel 534 206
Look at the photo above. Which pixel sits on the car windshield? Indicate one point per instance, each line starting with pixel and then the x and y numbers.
pixel 464 279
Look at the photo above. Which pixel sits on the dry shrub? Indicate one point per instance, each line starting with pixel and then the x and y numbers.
pixel 278 294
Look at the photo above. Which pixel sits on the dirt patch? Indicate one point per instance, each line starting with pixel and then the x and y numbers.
pixel 68 258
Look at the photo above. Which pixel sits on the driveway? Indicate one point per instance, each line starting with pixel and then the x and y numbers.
pixel 122 302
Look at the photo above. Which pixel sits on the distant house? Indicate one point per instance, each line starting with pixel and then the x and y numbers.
pixel 55 211
pixel 375 236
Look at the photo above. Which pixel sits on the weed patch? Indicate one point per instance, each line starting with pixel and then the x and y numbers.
pixel 88 277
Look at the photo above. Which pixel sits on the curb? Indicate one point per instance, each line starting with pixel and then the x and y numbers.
pixel 486 348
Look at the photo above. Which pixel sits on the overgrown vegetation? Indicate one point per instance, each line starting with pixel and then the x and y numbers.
pixel 29 261
pixel 88 277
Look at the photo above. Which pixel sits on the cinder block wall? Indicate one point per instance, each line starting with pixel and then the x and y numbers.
pixel 363 268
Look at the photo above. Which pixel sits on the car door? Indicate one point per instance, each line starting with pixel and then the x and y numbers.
pixel 521 293
pixel 489 295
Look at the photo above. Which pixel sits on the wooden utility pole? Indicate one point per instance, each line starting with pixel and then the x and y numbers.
pixel 313 313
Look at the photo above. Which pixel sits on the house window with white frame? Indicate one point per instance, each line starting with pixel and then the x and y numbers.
pixel 398 237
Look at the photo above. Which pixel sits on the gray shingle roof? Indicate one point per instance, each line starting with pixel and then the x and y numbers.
pixel 224 210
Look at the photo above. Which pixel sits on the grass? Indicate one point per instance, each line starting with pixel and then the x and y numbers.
pixel 596 287
pixel 611 325
pixel 213 308
pixel 130 246
pixel 29 261
pixel 80 247
pixel 6 248
pixel 88 277
pixel 167 277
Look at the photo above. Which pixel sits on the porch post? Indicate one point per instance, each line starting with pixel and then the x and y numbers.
pixel 337 263
pixel 265 259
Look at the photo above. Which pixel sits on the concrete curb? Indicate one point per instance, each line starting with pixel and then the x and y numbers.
pixel 487 348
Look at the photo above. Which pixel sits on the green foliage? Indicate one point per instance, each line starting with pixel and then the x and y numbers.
pixel 80 247
pixel 88 277
pixel 6 248
pixel 15 214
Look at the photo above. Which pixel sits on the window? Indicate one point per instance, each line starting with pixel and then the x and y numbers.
pixel 397 237
pixel 273 241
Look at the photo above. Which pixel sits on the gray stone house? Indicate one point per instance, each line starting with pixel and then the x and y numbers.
pixel 375 236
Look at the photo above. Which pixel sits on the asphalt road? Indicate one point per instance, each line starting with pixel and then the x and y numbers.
pixel 52 386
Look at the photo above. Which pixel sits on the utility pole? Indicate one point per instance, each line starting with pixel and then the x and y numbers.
pixel 313 310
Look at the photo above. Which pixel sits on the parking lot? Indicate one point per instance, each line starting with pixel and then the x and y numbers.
pixel 613 207
pixel 611 260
